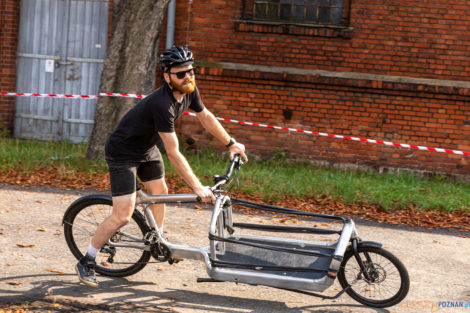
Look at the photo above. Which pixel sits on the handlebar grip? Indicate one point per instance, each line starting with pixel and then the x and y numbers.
pixel 237 158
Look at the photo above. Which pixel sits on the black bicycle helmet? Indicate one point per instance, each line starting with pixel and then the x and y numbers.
pixel 175 56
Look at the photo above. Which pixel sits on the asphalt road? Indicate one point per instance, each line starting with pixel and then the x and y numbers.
pixel 438 263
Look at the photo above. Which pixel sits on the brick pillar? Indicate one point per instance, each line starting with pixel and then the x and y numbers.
pixel 9 20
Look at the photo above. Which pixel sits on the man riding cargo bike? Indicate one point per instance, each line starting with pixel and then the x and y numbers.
pixel 131 150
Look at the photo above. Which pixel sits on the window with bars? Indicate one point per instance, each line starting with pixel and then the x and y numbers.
pixel 320 12
pixel 326 18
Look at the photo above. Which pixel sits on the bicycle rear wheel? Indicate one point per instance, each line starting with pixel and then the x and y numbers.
pixel 387 283
pixel 80 224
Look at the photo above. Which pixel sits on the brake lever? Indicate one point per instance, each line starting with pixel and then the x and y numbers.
pixel 237 159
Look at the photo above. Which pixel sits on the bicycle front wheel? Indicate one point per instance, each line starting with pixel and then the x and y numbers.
pixel 386 283
pixel 80 224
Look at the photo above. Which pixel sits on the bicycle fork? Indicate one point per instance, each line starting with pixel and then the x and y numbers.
pixel 367 268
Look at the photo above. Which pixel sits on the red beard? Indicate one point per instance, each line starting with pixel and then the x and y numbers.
pixel 184 87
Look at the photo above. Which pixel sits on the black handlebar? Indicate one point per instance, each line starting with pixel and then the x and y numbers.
pixel 234 165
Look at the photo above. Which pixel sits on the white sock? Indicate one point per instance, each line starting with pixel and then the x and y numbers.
pixel 92 252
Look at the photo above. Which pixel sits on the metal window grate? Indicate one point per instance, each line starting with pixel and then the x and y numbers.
pixel 327 12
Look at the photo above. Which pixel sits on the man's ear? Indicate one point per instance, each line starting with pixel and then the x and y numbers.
pixel 166 77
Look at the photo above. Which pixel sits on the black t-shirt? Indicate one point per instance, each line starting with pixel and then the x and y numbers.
pixel 136 136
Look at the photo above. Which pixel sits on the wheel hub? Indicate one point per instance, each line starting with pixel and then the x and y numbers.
pixel 375 273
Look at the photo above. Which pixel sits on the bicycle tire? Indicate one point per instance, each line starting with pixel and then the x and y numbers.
pixel 84 216
pixel 367 292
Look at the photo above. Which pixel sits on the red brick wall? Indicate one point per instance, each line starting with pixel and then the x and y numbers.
pixel 9 18
pixel 413 39
pixel 423 38
pixel 402 116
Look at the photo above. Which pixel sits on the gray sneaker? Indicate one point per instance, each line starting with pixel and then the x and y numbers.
pixel 85 269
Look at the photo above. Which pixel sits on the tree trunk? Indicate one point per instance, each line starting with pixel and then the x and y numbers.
pixel 130 65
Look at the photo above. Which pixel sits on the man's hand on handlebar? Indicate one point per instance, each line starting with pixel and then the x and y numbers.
pixel 238 148
pixel 205 194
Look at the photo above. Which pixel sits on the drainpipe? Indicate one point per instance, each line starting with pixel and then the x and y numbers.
pixel 170 24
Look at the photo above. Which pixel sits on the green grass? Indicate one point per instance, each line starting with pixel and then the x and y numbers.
pixel 29 155
pixel 272 180
pixel 277 179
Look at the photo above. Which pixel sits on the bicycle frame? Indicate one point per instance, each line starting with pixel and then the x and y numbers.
pixel 222 219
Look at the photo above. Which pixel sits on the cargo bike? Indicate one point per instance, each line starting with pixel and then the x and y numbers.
pixel 249 253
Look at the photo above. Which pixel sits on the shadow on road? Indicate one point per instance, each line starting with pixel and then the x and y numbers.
pixel 121 295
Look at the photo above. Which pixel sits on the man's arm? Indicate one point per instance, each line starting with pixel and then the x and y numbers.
pixel 182 167
pixel 212 125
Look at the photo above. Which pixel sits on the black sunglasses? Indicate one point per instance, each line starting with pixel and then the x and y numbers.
pixel 182 74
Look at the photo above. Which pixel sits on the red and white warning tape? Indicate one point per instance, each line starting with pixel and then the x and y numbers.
pixel 53 95
pixel 381 142
pixel 127 95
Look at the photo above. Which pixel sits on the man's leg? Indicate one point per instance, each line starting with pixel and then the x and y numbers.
pixel 157 187
pixel 123 207
pixel 123 177
pixel 152 175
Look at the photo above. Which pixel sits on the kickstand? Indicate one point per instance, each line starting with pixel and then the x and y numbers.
pixel 208 280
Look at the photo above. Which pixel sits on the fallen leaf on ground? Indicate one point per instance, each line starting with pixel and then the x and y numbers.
pixel 25 246
pixel 54 271
pixel 14 283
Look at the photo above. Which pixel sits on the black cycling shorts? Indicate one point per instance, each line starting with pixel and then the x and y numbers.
pixel 123 174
